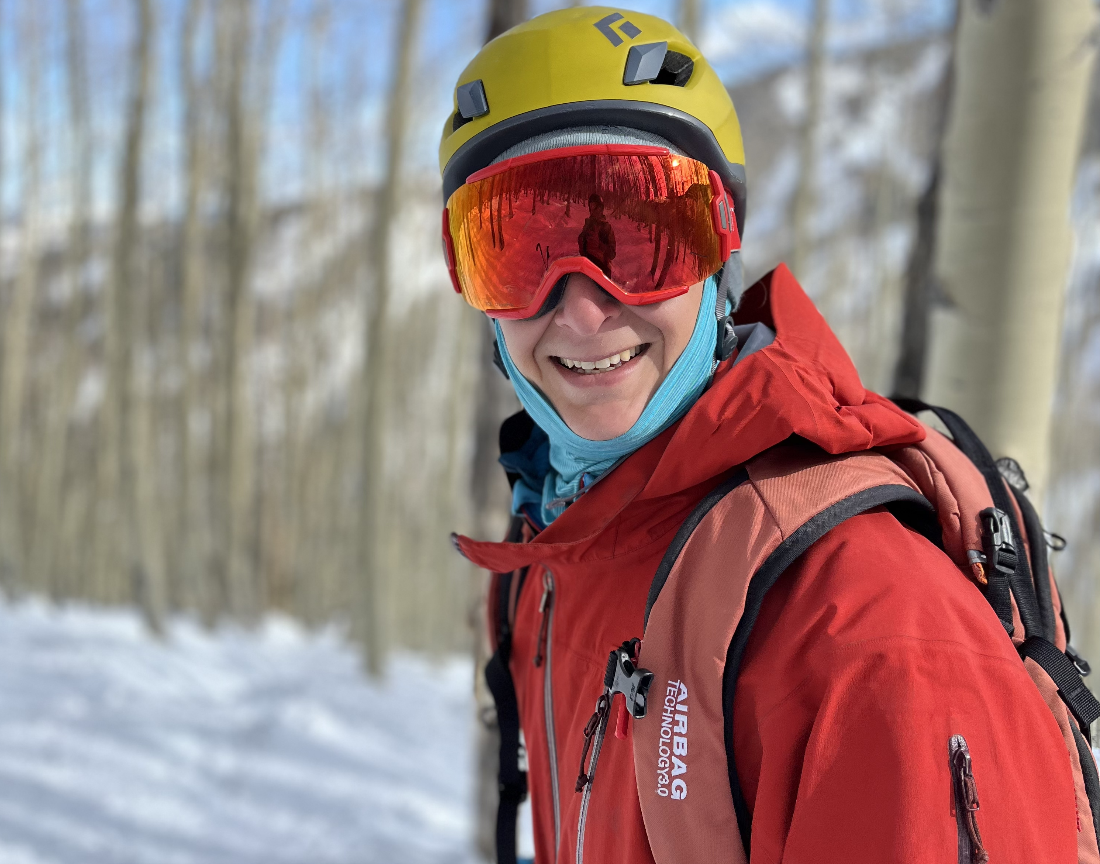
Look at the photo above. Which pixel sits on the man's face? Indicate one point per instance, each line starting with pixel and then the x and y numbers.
pixel 595 209
pixel 590 326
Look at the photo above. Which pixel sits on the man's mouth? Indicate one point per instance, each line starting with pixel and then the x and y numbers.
pixel 606 364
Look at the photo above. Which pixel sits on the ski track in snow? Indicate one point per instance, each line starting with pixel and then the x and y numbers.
pixel 224 748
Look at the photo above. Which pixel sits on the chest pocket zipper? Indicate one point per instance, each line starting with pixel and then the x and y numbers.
pixel 621 676
pixel 971 850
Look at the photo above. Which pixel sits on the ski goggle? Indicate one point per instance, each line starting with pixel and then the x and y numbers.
pixel 642 222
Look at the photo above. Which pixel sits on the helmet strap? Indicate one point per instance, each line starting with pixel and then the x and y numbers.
pixel 731 282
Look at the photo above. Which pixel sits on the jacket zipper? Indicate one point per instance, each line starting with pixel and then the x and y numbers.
pixel 971 850
pixel 542 658
pixel 622 676
pixel 594 731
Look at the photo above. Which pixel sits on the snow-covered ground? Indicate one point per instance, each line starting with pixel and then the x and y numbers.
pixel 228 748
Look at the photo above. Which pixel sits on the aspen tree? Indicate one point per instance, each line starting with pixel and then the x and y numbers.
pixel 138 526
pixel 690 19
pixel 495 401
pixel 805 198
pixel 248 98
pixel 505 14
pixel 190 573
pixel 54 458
pixel 1003 242
pixel 372 549
pixel 919 284
pixel 19 317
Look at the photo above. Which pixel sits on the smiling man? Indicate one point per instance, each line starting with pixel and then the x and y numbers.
pixel 799 613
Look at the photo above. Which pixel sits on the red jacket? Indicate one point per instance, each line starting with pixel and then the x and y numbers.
pixel 853 673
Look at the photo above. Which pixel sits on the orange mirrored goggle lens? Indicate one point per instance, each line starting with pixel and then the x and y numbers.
pixel 644 223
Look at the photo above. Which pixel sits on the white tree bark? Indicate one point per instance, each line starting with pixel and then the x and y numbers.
pixel 1004 238
pixel 805 196
pixel 372 555
pixel 19 317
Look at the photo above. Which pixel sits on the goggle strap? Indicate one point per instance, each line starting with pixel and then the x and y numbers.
pixel 731 282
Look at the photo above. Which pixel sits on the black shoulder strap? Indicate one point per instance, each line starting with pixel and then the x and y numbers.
pixel 1040 565
pixel 511 773
pixel 907 505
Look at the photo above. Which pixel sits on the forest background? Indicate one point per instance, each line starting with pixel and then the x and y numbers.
pixel 234 378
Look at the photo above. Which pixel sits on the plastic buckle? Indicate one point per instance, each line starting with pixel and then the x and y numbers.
pixel 1001 560
pixel 1000 550
pixel 1083 667
pixel 727 338
pixel 624 676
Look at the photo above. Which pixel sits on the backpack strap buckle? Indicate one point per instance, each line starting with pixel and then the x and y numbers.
pixel 1001 560
pixel 624 676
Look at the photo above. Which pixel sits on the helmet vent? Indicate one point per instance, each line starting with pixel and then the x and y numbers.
pixel 675 70
pixel 458 121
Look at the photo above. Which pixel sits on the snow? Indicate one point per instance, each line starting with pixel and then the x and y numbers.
pixel 224 748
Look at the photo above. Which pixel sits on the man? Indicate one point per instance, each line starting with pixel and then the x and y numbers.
pixel 597 239
pixel 878 695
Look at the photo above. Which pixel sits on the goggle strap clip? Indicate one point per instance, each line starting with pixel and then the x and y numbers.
pixel 731 282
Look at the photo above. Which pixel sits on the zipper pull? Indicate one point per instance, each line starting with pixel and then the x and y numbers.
pixel 966 797
pixel 598 718
pixel 544 610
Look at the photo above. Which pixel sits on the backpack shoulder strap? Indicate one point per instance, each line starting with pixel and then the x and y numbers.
pixel 1021 582
pixel 713 579
pixel 907 505
pixel 504 592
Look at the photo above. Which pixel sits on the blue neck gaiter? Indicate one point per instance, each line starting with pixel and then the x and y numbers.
pixel 576 462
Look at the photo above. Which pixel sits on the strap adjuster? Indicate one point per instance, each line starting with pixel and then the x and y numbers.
pixel 1001 560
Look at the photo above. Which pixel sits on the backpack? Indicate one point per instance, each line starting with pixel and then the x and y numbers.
pixel 949 490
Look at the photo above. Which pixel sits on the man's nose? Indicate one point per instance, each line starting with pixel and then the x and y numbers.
pixel 585 306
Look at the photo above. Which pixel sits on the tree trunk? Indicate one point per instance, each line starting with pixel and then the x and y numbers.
pixel 504 15
pixel 805 199
pixel 54 461
pixel 246 110
pixel 1004 238
pixel 191 555
pixel 919 282
pixel 691 19
pixel 143 558
pixel 19 320
pixel 237 480
pixel 373 488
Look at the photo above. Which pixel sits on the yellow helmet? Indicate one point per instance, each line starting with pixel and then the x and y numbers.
pixel 592 66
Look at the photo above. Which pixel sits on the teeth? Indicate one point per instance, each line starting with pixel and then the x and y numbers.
pixel 599 365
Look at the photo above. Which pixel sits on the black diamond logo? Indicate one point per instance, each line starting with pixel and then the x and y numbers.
pixel 626 28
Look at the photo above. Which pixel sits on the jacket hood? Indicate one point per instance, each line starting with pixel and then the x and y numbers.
pixel 802 384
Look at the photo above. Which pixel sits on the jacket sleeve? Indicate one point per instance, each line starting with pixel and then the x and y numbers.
pixel 868 655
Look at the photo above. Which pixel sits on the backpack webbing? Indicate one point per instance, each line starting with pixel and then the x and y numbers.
pixel 1038 642
pixel 1021 582
pixel 511 779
